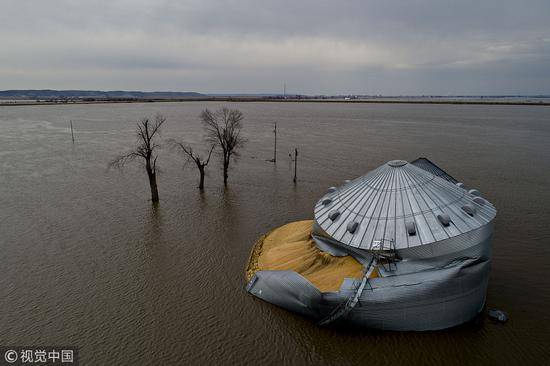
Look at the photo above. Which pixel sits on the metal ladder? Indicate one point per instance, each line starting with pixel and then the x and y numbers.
pixel 345 307
pixel 385 255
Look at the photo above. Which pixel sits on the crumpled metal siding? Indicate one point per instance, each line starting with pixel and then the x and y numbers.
pixel 288 290
pixel 426 300
pixel 429 299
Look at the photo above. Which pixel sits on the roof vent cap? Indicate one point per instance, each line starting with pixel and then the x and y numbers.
pixel 397 163
pixel 333 215
pixel 469 209
pixel 331 190
pixel 474 192
pixel 444 219
pixel 480 201
pixel 411 227
pixel 461 185
pixel 352 226
pixel 326 201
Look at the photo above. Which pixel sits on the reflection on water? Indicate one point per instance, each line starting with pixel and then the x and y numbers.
pixel 88 261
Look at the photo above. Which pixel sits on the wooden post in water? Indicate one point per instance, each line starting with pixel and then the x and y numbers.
pixel 295 163
pixel 72 132
pixel 275 151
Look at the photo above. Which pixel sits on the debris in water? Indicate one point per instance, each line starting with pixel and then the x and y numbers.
pixel 498 315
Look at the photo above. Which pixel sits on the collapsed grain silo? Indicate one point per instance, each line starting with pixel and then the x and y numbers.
pixel 404 247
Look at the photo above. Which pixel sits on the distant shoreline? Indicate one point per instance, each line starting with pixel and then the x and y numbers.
pixel 20 103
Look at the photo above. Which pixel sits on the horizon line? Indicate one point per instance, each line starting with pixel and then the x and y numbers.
pixel 376 95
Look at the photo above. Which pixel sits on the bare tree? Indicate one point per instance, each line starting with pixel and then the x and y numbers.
pixel 199 160
pixel 146 145
pixel 223 128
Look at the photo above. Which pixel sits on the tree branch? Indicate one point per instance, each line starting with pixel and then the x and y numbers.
pixel 120 161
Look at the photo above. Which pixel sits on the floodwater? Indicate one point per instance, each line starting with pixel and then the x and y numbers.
pixel 87 261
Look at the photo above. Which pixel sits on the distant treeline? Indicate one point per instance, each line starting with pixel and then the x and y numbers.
pixel 93 94
pixel 45 97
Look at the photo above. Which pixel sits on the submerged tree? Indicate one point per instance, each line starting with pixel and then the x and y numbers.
pixel 146 145
pixel 223 128
pixel 199 160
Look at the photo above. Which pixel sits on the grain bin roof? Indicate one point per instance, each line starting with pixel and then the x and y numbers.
pixel 403 202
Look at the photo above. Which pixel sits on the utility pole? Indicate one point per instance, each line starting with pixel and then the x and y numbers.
pixel 275 151
pixel 295 160
pixel 72 133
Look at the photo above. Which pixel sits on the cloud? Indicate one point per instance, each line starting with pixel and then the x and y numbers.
pixel 411 47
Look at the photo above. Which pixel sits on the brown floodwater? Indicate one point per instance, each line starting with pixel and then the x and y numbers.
pixel 85 260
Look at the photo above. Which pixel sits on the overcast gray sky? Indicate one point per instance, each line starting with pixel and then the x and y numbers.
pixel 326 47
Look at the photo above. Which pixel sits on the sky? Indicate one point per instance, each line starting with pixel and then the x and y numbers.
pixel 408 47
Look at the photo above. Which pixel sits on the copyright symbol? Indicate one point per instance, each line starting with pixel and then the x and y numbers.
pixel 10 356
